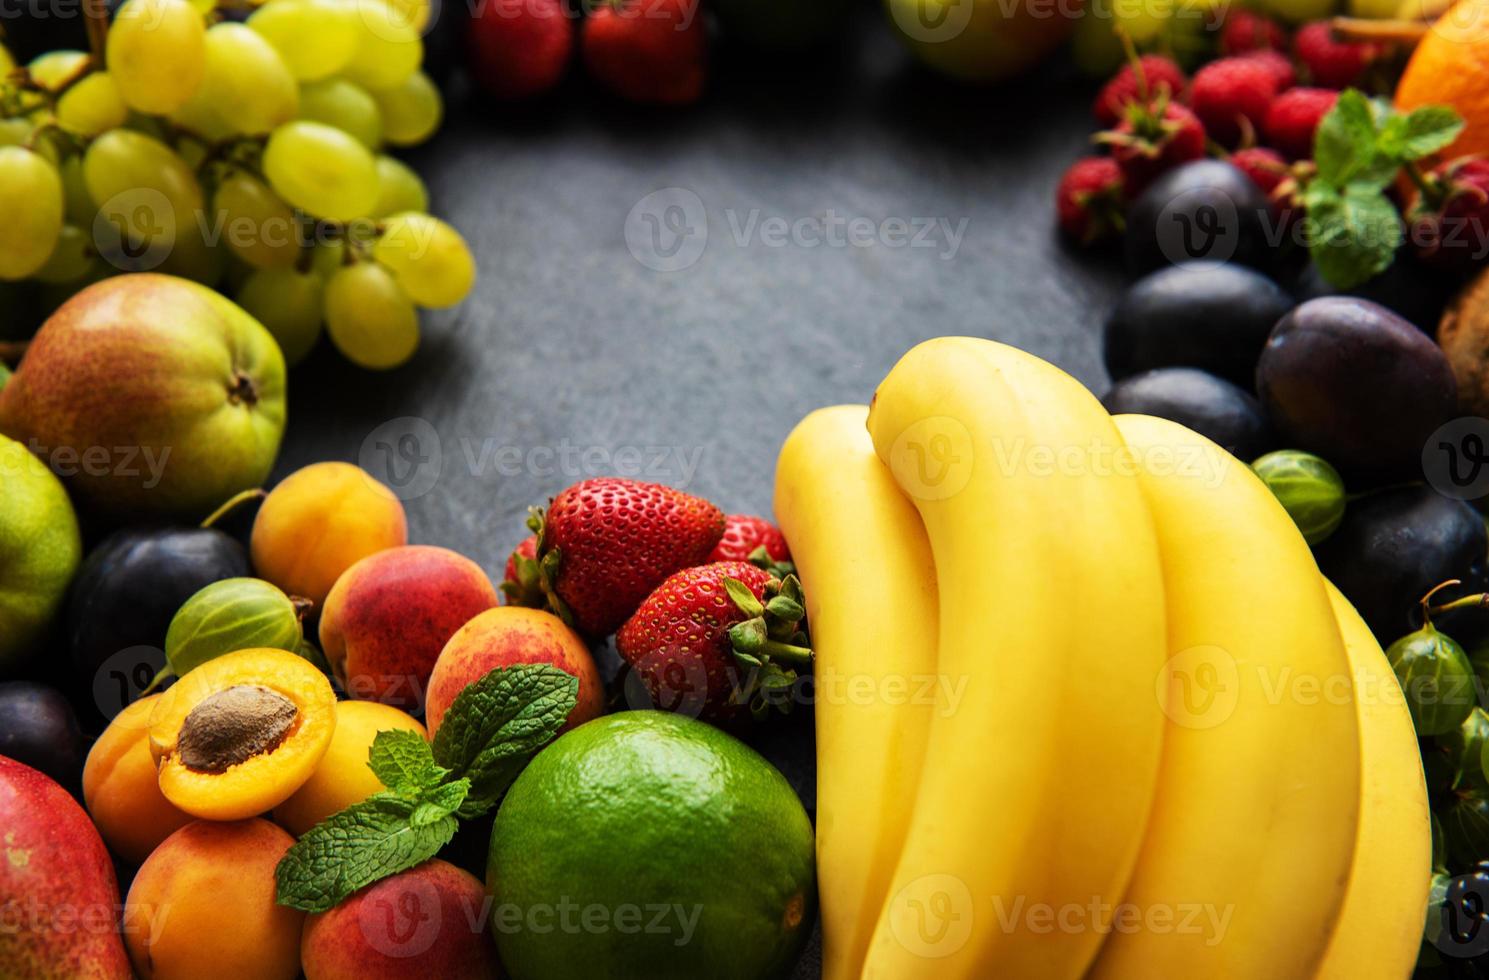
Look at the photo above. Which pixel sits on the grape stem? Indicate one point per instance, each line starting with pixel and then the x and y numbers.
pixel 96 18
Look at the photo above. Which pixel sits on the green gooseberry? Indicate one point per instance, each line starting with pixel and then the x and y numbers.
pixel 1437 896
pixel 1465 828
pixel 1309 489
pixel 1439 845
pixel 234 614
pixel 1465 746
pixel 1436 677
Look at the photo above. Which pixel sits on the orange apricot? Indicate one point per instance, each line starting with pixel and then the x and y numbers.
pixel 121 788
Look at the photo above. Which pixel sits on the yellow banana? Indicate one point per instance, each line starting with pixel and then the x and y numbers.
pixel 1036 790
pixel 1253 824
pixel 866 569
pixel 1379 927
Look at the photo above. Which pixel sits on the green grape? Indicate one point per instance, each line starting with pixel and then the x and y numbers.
pixel 429 258
pixel 289 303
pixel 389 49
pixel 15 131
pixel 321 170
pixel 346 106
pixel 199 117
pixel 53 69
pixel 149 204
pixel 412 111
pixel 1309 489
pixel 247 83
pixel 399 188
pixel 205 7
pixel 1436 677
pixel 31 203
pixel 81 209
pixel 370 319
pixel 259 227
pixel 157 53
pixel 316 38
pixel 7 61
pixel 71 260
pixel 327 258
pixel 92 106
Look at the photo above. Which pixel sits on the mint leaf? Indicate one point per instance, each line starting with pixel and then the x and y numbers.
pixel 440 803
pixel 404 762
pixel 1355 235
pixel 1346 139
pixel 499 723
pixel 364 843
pixel 1421 132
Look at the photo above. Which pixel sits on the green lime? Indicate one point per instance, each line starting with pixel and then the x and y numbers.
pixel 650 845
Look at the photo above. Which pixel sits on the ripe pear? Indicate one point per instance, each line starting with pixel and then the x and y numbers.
pixel 40 548
pixel 154 398
pixel 982 40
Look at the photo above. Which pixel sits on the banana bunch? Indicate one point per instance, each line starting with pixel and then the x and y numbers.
pixel 1085 705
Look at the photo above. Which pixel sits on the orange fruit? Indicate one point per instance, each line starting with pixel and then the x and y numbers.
pixel 1451 67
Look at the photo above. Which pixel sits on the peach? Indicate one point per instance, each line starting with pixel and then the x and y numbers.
pixel 318 522
pixel 429 921
pixel 203 906
pixel 342 778
pixel 59 899
pixel 389 616
pixel 510 635
pixel 122 791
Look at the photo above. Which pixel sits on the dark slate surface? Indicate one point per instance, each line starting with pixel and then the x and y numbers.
pixel 572 350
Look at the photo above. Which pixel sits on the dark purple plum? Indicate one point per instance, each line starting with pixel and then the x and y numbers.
pixel 1211 406
pixel 1202 210
pixel 1358 385
pixel 1420 295
pixel 126 593
pixel 1394 545
pixel 39 727
pixel 1207 315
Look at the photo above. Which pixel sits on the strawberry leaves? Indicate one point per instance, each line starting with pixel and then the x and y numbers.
pixel 770 645
pixel 491 732
pixel 1359 150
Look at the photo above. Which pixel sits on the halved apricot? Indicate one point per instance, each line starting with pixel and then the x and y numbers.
pixel 240 734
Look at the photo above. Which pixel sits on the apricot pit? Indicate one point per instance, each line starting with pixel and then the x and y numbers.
pixel 241 733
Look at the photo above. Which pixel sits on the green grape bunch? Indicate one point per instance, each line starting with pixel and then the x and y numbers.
pixel 254 157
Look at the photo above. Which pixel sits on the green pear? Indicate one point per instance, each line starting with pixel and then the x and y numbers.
pixel 40 547
pixel 982 40
pixel 154 398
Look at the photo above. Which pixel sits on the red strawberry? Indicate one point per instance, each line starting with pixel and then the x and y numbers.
pixel 1160 76
pixel 606 543
pixel 1280 66
pixel 1328 62
pixel 1283 183
pixel 1088 202
pixel 712 640
pixel 1293 118
pixel 1246 31
pixel 1153 139
pixel 1449 223
pixel 521 587
pixel 1231 96
pixel 647 50
pixel 744 534
pixel 519 48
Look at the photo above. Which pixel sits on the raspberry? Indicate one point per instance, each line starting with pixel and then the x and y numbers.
pixel 1160 73
pixel 1245 32
pixel 1279 65
pixel 1230 97
pixel 1265 167
pixel 1088 202
pixel 1293 118
pixel 1153 139
pixel 1328 62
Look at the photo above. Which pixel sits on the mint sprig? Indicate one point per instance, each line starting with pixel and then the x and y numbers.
pixel 1359 151
pixel 491 731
